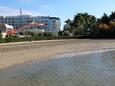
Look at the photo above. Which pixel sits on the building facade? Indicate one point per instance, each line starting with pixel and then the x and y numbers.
pixel 7 30
pixel 51 24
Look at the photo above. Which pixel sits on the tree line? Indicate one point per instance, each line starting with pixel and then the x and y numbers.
pixel 84 24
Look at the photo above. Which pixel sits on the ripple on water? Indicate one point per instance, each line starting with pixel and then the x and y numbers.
pixel 83 69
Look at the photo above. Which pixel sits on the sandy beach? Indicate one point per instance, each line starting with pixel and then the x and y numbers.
pixel 19 53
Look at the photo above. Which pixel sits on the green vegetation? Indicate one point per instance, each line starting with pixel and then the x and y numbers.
pixel 84 24
pixel 33 37
pixel 0 36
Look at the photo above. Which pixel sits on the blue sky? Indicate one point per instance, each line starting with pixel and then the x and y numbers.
pixel 60 8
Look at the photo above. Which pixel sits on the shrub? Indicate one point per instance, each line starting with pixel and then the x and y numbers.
pixel 48 34
pixel 0 35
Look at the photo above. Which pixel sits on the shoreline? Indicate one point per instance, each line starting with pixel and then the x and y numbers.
pixel 27 42
pixel 84 53
pixel 44 51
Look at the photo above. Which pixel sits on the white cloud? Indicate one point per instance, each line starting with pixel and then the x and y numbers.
pixel 5 11
pixel 46 8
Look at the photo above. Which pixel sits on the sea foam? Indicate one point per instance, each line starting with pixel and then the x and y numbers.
pixel 84 53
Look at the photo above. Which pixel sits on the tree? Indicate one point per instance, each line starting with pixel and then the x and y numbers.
pixel 106 25
pixel 112 16
pixel 84 23
pixel 67 25
pixel 68 22
pixel 0 35
pixel 2 27
pixel 79 22
pixel 105 19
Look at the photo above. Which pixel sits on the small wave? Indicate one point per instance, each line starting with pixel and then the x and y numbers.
pixel 84 53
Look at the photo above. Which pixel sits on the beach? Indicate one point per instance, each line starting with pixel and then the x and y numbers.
pixel 72 62
pixel 19 53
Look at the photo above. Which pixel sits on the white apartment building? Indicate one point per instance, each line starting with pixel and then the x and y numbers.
pixel 51 24
pixel 5 29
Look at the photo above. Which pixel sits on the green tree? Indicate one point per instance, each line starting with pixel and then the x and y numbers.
pixel 84 23
pixel 68 27
pixel 0 35
pixel 104 19
pixel 79 22
pixel 112 15
pixel 68 22
pixel 2 27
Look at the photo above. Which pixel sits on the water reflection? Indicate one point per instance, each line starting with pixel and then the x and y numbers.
pixel 86 70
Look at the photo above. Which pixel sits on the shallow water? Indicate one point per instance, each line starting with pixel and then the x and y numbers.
pixel 97 69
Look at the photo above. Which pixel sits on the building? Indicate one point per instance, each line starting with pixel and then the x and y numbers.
pixel 7 30
pixel 50 24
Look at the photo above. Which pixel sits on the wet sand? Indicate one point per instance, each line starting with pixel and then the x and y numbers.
pixel 19 53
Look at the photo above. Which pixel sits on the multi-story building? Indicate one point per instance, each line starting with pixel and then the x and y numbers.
pixel 51 24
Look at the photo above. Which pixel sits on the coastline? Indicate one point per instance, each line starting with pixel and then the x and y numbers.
pixel 85 53
pixel 19 53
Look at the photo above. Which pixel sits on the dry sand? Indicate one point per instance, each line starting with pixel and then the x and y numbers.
pixel 18 53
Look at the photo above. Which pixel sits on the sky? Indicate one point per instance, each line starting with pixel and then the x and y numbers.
pixel 63 9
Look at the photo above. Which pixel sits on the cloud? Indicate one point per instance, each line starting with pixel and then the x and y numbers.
pixel 6 11
pixel 46 8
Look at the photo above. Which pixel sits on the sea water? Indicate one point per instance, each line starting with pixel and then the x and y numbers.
pixel 90 68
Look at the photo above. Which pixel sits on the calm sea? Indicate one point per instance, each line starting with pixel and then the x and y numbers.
pixel 83 69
